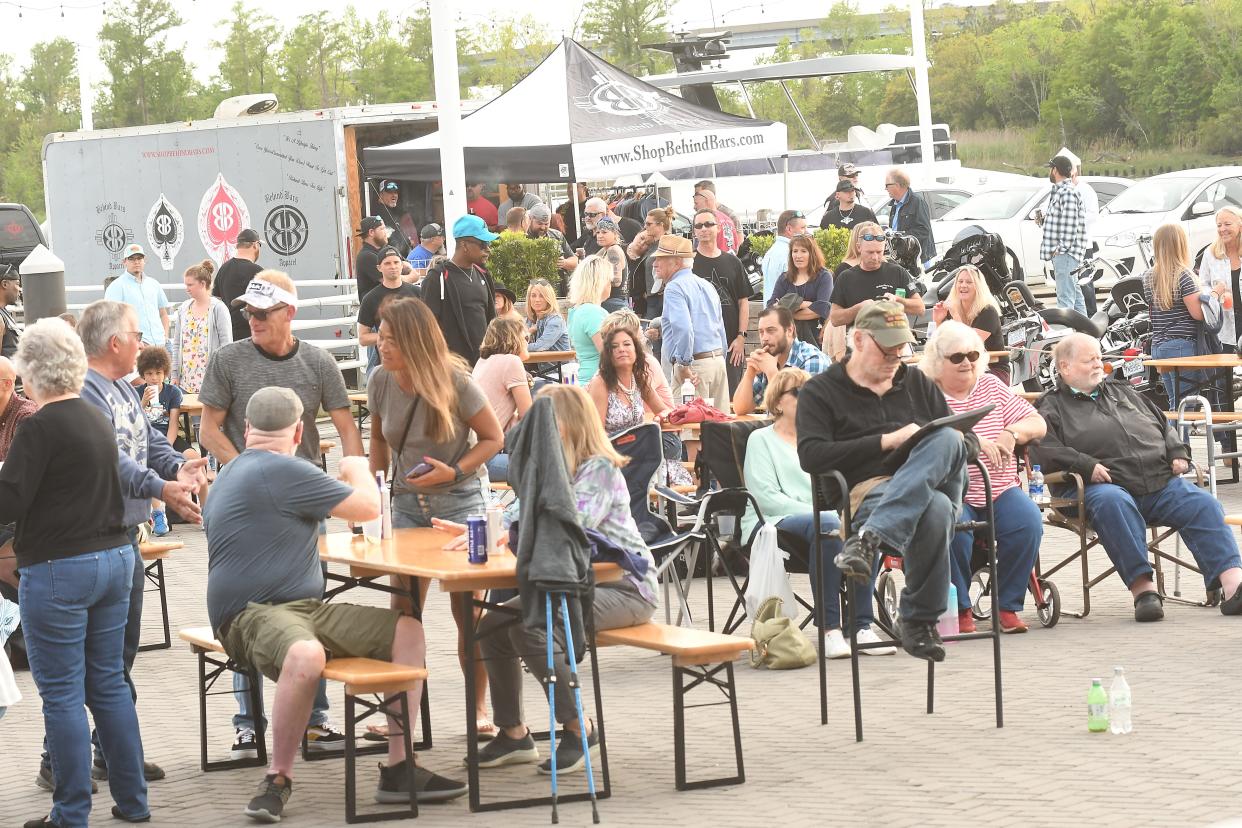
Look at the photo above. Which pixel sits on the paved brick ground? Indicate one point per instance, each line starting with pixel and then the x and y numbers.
pixel 1179 767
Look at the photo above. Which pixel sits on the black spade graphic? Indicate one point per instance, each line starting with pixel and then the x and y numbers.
pixel 164 226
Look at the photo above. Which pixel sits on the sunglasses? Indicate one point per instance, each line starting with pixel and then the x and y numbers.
pixel 969 356
pixel 798 214
pixel 591 215
pixel 261 315
pixel 872 237
pixel 705 224
pixel 793 392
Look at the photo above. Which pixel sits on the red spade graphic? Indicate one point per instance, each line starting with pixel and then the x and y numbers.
pixel 222 225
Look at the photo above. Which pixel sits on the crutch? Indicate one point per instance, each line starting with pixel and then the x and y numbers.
pixel 550 688
pixel 582 724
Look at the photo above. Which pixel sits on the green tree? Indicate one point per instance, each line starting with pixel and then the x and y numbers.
pixel 49 85
pixel 517 45
pixel 148 82
pixel 382 68
pixel 618 30
pixel 249 62
pixel 313 63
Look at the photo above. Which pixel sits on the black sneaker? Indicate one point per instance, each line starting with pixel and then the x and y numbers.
pixel 47 782
pixel 569 757
pixel 921 640
pixel 1150 606
pixel 41 822
pixel 150 771
pixel 268 805
pixel 1233 604
pixel 505 751
pixel 246 746
pixel 116 814
pixel 857 559
pixel 324 737
pixel 393 785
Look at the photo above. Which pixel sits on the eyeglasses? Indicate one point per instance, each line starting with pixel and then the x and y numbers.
pixel 890 183
pixel 137 335
pixel 702 225
pixel 591 215
pixel 793 392
pixel 872 237
pixel 969 356
pixel 261 315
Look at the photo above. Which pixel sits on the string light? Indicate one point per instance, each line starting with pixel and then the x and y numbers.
pixel 31 7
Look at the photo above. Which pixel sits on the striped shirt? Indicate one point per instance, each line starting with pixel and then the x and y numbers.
pixel 1176 322
pixel 1009 409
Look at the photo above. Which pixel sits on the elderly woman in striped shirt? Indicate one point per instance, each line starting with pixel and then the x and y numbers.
pixel 957 361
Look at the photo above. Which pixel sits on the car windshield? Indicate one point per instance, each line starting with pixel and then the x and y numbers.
pixel 17 230
pixel 992 205
pixel 1155 195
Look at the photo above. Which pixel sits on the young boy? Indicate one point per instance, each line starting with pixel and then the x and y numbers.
pixel 162 401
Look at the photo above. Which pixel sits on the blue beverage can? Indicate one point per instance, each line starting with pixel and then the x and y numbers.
pixel 476 539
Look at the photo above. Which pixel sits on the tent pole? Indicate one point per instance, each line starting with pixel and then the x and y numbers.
pixel 573 196
pixel 922 91
pixel 785 165
pixel 448 97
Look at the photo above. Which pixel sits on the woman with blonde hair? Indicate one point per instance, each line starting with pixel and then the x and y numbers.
pixel 545 326
pixel 1172 296
pixel 971 302
pixel 501 373
pixel 589 286
pixel 1220 269
pixel 603 506
pixel 432 431
pixel 200 325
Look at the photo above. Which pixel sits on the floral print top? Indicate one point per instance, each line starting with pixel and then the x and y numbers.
pixel 194 351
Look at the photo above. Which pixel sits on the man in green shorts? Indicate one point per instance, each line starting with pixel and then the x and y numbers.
pixel 264 584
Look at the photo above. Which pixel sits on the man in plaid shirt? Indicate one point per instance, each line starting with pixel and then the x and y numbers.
pixel 779 347
pixel 1065 234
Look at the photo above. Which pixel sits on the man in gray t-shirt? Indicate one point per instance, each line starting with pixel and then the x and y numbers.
pixel 272 357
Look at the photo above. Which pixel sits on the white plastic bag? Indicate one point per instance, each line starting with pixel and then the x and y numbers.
pixel 767 574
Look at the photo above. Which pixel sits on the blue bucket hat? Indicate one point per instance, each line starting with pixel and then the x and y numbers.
pixel 473 227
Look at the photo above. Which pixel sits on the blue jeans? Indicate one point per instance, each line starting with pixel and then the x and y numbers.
pixel 133 633
pixel 74 613
pixel 1069 294
pixel 1188 381
pixel 373 359
pixel 498 469
pixel 828 585
pixel 414 511
pixel 614 304
pixel 1120 520
pixel 1019 529
pixel 913 515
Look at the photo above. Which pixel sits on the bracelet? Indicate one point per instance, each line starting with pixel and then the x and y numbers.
pixel 1012 434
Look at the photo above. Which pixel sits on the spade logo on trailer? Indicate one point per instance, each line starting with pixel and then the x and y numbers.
pixel 112 236
pixel 222 214
pixel 613 96
pixel 165 231
pixel 286 230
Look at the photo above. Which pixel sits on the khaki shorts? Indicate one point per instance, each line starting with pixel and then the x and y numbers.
pixel 261 634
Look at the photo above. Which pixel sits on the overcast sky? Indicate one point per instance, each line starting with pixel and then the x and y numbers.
pixel 42 20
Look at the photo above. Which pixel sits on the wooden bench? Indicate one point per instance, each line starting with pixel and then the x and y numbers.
pixel 698 658
pixel 325 446
pixel 153 554
pixel 361 677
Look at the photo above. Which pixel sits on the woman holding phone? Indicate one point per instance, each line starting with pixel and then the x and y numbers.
pixel 432 431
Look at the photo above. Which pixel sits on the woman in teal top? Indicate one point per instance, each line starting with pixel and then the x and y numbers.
pixel 588 288
pixel 775 478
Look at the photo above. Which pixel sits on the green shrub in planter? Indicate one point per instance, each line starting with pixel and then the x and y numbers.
pixel 832 243
pixel 516 259
pixel 760 245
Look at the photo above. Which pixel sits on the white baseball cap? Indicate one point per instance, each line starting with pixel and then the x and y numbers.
pixel 263 295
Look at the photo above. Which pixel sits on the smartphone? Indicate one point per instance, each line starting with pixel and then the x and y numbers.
pixel 419 470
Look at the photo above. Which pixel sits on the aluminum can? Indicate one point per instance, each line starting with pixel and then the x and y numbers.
pixel 476 539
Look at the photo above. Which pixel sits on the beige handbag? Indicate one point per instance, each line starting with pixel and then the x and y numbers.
pixel 779 644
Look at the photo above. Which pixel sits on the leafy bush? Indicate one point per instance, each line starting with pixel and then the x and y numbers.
pixel 832 243
pixel 516 259
pixel 760 245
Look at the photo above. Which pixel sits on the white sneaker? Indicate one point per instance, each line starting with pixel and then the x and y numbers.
pixel 867 636
pixel 835 645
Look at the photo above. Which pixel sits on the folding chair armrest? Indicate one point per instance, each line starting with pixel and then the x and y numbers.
pixel 676 497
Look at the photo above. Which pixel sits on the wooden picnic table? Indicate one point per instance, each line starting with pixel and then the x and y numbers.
pixel 420 553
pixel 190 408
pixel 550 359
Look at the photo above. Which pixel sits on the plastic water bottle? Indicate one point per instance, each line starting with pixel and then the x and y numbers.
pixel 687 392
pixel 1097 707
pixel 947 625
pixel 569 373
pixel 1119 703
pixel 1035 486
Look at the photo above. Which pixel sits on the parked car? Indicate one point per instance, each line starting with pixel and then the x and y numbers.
pixel 1189 197
pixel 19 234
pixel 1010 213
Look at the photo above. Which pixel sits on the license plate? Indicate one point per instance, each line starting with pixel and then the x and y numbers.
pixel 1132 368
pixel 1016 337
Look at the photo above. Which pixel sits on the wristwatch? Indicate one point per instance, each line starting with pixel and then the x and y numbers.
pixel 1012 434
pixel 457 471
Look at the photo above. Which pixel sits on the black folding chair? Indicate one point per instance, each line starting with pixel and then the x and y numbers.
pixel 829 491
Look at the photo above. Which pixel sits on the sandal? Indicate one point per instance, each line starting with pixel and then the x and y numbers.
pixel 376 733
pixel 485 729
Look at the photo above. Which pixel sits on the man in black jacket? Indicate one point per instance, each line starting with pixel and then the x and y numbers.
pixel 850 418
pixel 909 213
pixel 1132 463
pixel 459 292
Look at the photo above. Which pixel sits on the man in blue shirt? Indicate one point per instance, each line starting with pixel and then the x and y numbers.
pixel 693 328
pixel 776 261
pixel 145 295
pixel 779 347
pixel 430 243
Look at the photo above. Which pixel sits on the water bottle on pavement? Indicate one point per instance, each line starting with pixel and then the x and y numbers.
pixel 1035 486
pixel 1097 707
pixel 1119 703
pixel 687 392
pixel 947 625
